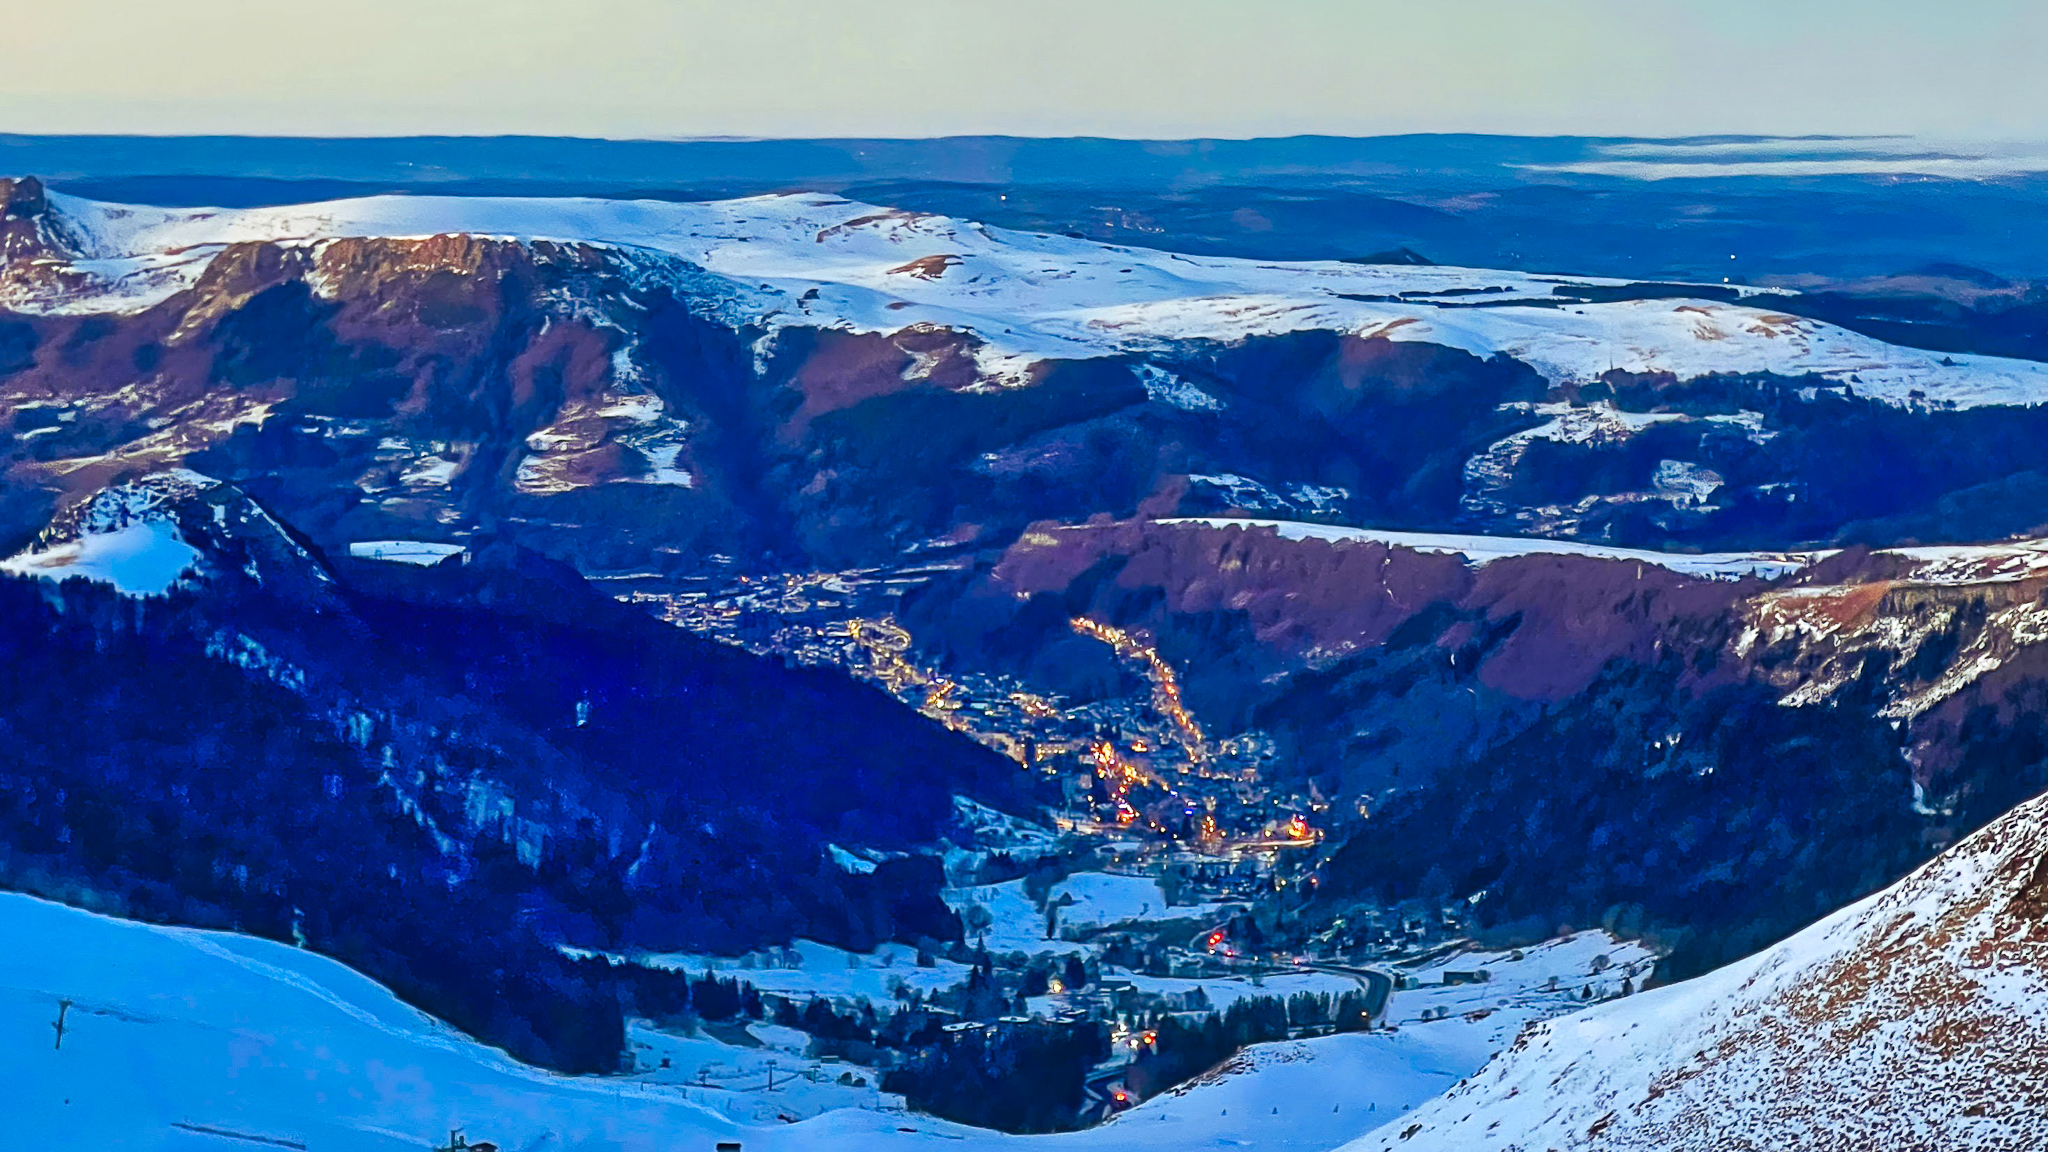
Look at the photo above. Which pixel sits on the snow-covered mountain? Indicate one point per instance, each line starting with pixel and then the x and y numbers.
pixel 169 529
pixel 809 260
pixel 1569 600
pixel 1916 1020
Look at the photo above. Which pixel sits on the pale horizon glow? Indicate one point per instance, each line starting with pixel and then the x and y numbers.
pixel 670 69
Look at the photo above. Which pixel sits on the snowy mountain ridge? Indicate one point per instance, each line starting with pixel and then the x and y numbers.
pixel 823 261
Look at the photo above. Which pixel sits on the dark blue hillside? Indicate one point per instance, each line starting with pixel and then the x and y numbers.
pixel 403 782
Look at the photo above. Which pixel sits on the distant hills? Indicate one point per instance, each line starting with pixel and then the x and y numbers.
pixel 1830 207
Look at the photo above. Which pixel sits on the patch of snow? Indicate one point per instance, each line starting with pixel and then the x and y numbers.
pixel 430 472
pixel 1251 495
pixel 421 552
pixel 848 861
pixel 1684 483
pixel 146 558
pixel 1164 387
pixel 1015 923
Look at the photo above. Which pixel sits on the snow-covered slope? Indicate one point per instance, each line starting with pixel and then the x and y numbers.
pixel 157 532
pixel 127 536
pixel 146 558
pixel 170 1030
pixel 824 261
pixel 1915 1019
pixel 184 1039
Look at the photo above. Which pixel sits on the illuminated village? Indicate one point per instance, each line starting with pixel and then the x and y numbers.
pixel 1137 774
pixel 1167 895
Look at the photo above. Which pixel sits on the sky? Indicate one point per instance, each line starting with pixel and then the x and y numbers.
pixel 664 69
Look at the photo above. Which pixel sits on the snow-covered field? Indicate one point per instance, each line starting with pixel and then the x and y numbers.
pixel 774 1078
pixel 1015 924
pixel 1482 550
pixel 1519 987
pixel 1080 903
pixel 173 1027
pixel 819 260
pixel 808 968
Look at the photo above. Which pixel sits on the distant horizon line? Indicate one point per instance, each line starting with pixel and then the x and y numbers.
pixel 1690 138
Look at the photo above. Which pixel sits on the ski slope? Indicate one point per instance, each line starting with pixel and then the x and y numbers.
pixel 816 260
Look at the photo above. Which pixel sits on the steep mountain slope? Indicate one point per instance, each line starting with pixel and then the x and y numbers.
pixel 1911 1020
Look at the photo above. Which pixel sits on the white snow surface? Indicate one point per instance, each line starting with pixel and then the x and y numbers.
pixel 1482 550
pixel 175 1026
pixel 211 1030
pixel 1914 1019
pixel 422 552
pixel 125 536
pixel 1106 899
pixel 808 968
pixel 1975 563
pixel 1081 903
pixel 1034 297
pixel 146 558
